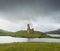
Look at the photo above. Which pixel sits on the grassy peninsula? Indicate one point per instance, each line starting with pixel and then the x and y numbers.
pixel 22 33
pixel 28 33
pixel 35 34
pixel 30 46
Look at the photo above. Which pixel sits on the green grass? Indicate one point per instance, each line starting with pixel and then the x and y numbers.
pixel 25 34
pixel 22 33
pixel 5 33
pixel 30 46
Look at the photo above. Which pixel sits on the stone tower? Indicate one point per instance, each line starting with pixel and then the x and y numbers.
pixel 29 30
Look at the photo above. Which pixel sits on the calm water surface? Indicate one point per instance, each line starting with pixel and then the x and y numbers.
pixel 9 39
pixel 54 35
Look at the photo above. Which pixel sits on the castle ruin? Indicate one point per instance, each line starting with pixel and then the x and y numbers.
pixel 29 30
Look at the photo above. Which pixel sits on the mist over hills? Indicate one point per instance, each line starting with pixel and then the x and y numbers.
pixel 1 30
pixel 54 32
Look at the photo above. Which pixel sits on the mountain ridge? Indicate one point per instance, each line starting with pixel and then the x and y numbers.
pixel 54 31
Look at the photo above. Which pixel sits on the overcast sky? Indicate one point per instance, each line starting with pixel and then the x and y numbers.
pixel 42 15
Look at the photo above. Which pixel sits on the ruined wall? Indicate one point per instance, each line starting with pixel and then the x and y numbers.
pixel 29 30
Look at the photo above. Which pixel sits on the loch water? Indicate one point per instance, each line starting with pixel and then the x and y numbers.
pixel 9 39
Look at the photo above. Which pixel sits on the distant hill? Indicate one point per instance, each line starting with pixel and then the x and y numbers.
pixel 54 32
pixel 3 30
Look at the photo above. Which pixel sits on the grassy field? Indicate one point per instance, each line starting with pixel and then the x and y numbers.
pixel 22 34
pixel 6 33
pixel 30 46
pixel 25 34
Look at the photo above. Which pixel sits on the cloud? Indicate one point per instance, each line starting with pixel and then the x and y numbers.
pixel 43 15
pixel 7 25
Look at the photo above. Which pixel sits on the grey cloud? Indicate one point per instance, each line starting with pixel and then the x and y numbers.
pixel 26 9
pixel 30 10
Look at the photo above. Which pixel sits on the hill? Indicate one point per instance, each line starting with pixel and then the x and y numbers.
pixel 4 33
pixel 54 32
pixel 3 30
pixel 24 33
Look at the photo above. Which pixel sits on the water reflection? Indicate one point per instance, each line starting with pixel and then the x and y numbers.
pixel 45 40
pixel 9 39
pixel 54 35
